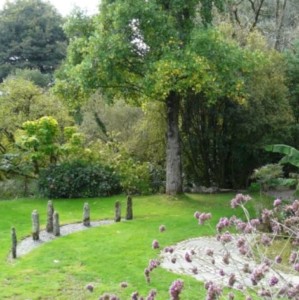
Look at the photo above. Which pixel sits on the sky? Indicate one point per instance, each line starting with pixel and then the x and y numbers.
pixel 65 6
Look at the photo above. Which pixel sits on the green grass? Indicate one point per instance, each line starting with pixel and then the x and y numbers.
pixel 107 255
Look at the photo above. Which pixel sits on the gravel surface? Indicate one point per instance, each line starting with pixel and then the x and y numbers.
pixel 202 268
pixel 28 244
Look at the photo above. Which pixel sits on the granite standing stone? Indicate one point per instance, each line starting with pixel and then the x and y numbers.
pixel 35 225
pixel 50 212
pixel 129 215
pixel 86 214
pixel 56 227
pixel 13 243
pixel 117 211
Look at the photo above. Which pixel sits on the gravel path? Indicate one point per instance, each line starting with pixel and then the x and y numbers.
pixel 28 244
pixel 202 268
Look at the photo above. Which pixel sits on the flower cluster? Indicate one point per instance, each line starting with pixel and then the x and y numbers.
pixel 162 228
pixel 202 217
pixel 239 200
pixel 213 290
pixel 155 244
pixel 175 289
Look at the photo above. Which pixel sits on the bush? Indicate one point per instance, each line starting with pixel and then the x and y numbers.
pixel 78 179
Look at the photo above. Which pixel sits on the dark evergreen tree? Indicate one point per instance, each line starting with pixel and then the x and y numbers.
pixel 31 37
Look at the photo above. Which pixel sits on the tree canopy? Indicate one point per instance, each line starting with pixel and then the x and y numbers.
pixel 31 37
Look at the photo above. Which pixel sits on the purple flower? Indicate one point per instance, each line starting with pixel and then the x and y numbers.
pixel 273 281
pixel 175 289
pixel 266 240
pixel 173 260
pixel 258 273
pixel 169 249
pixel 221 272
pixel 152 294
pixel 209 252
pixel 241 242
pixel 295 206
pixel 155 244
pixel 147 275
pixel 293 257
pixel 214 291
pixel 278 259
pixel 226 238
pixel 265 293
pixel 162 228
pixel 246 268
pixel 244 250
pixel 204 217
pixel 232 280
pixel 223 222
pixel 277 203
pixel 124 285
pixel 225 258
pixel 240 225
pixel 240 199
pixel 153 263
pixel 267 215
pixel 134 296
pixel 296 267
pixel 89 287
pixel 188 257
pixel 196 215
pixel 255 222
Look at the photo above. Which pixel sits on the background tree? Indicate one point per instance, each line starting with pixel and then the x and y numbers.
pixel 140 51
pixel 223 140
pixel 31 37
pixel 276 20
pixel 20 101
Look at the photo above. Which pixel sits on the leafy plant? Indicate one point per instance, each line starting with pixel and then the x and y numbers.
pixel 291 154
pixel 77 179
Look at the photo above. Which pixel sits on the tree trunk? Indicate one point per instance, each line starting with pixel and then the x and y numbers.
pixel 173 148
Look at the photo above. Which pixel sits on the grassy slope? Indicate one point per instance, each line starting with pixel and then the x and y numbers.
pixel 105 255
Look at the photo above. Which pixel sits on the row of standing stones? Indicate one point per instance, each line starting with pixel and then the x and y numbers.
pixel 53 226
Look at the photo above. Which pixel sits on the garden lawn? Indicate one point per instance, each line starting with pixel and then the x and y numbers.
pixel 103 256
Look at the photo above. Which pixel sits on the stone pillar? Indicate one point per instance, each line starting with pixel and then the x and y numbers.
pixel 56 228
pixel 35 225
pixel 117 211
pixel 13 243
pixel 86 214
pixel 129 215
pixel 50 212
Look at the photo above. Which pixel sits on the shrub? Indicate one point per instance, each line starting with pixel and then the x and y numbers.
pixel 78 179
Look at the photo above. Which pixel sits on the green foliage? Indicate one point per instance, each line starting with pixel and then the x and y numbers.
pixel 40 141
pixel 31 37
pixel 267 175
pixel 34 75
pixel 291 154
pixel 134 175
pixel 78 179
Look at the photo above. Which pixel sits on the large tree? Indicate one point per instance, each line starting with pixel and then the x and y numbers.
pixel 31 37
pixel 142 50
